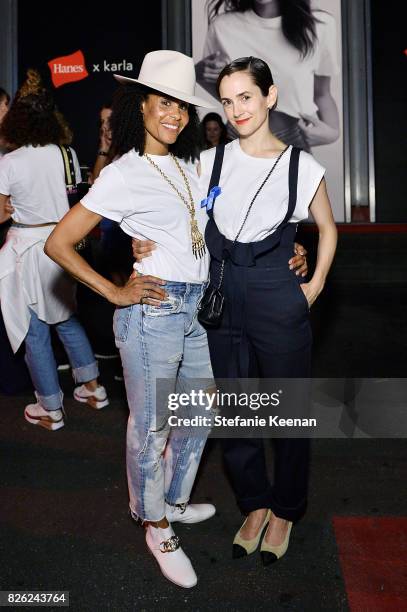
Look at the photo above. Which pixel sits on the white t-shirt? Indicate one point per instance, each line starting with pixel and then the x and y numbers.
pixel 243 34
pixel 133 193
pixel 241 177
pixel 35 179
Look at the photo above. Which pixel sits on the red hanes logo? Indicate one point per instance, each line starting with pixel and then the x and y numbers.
pixel 68 68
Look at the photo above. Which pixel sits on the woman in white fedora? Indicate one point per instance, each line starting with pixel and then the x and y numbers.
pixel 151 190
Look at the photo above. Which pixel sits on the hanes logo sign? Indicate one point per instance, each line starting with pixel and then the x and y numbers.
pixel 68 68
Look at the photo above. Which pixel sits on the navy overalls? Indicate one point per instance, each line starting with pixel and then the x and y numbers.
pixel 265 332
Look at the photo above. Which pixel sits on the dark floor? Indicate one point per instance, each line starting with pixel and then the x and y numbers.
pixel 64 522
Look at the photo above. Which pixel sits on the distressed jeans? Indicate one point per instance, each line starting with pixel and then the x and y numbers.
pixel 161 342
pixel 41 363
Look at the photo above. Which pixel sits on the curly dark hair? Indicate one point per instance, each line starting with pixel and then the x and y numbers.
pixel 128 130
pixel 297 20
pixel 32 118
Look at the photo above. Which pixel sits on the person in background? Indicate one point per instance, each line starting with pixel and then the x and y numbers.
pixel 4 104
pixel 299 45
pixel 104 154
pixel 114 255
pixel 213 131
pixel 36 293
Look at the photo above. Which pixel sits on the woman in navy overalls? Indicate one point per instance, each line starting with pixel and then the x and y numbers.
pixel 265 330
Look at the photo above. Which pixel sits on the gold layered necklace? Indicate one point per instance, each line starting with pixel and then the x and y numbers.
pixel 198 242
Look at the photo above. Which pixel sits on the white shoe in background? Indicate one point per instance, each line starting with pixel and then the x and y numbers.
pixel 49 419
pixel 97 399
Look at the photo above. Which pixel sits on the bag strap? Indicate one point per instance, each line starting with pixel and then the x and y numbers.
pixel 69 168
pixel 257 193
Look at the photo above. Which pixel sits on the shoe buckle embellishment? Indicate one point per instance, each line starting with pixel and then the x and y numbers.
pixel 170 545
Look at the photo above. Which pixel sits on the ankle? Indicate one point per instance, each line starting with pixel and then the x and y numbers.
pixel 277 520
pixel 257 515
pixel 91 385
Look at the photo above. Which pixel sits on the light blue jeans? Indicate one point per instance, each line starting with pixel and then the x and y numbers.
pixel 161 342
pixel 41 363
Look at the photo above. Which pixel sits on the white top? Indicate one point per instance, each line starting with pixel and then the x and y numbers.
pixel 133 193
pixel 241 177
pixel 35 179
pixel 244 34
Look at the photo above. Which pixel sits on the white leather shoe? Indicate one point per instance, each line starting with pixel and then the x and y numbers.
pixel 189 513
pixel 173 562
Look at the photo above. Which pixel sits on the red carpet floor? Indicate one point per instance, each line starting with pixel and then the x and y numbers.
pixel 373 556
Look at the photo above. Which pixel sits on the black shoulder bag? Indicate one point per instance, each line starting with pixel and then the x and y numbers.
pixel 69 171
pixel 213 301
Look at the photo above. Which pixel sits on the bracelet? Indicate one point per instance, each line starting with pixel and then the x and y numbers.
pixel 104 153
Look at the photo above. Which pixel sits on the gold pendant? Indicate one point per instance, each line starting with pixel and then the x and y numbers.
pixel 198 241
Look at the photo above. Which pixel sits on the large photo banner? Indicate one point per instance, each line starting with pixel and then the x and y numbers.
pixel 304 54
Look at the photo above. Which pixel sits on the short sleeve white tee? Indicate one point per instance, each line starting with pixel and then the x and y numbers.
pixel 133 193
pixel 243 34
pixel 34 177
pixel 241 177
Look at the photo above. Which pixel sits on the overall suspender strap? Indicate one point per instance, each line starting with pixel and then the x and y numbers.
pixel 216 171
pixel 245 254
pixel 292 183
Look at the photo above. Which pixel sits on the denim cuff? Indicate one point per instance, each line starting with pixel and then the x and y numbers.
pixel 51 402
pixel 138 517
pixel 177 502
pixel 85 373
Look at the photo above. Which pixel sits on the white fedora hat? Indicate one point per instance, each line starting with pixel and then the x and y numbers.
pixel 169 72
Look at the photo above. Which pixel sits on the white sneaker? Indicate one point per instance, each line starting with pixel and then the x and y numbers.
pixel 49 419
pixel 97 399
pixel 189 513
pixel 173 562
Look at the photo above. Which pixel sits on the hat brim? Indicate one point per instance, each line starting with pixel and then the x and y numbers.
pixel 179 95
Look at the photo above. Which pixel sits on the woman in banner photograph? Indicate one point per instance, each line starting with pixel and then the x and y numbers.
pixel 264 189
pixel 298 43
